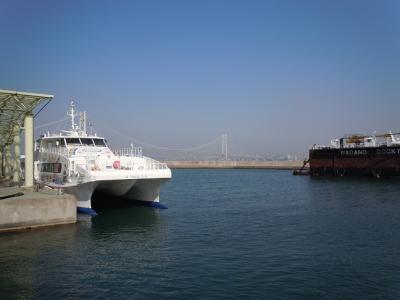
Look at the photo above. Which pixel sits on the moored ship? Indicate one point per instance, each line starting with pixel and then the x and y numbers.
pixel 376 155
pixel 81 163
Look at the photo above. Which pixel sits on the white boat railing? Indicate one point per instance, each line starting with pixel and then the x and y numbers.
pixel 152 164
pixel 55 150
pixel 130 152
pixel 124 160
pixel 319 147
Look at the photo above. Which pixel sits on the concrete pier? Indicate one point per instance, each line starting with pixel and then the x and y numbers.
pixel 23 209
pixel 234 164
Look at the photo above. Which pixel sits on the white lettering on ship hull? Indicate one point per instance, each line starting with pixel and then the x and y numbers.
pixel 353 152
pixel 388 151
pixel 363 152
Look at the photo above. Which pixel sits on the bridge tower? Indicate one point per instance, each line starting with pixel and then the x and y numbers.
pixel 224 146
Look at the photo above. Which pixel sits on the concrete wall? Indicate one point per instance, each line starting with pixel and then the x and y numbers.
pixel 35 210
pixel 234 164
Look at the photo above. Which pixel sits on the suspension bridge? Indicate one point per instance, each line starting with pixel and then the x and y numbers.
pixel 219 148
pixel 214 149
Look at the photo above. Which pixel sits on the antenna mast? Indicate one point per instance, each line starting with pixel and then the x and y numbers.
pixel 82 122
pixel 71 114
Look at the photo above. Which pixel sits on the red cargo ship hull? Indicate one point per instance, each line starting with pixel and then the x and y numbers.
pixel 364 161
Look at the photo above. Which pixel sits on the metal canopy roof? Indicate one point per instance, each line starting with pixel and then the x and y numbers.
pixel 13 108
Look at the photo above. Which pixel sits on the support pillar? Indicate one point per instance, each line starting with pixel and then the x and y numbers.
pixel 2 161
pixel 17 154
pixel 28 124
pixel 7 162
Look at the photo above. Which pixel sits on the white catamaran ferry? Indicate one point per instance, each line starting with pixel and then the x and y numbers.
pixel 80 164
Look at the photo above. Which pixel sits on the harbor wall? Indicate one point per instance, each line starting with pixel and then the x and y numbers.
pixel 234 164
pixel 36 210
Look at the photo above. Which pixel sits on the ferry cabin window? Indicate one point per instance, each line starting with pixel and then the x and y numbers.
pixel 73 141
pixel 58 142
pixel 53 143
pixel 99 142
pixel 87 142
pixel 51 167
pixel 46 144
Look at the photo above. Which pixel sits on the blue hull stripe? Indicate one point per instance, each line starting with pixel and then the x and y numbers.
pixel 151 204
pixel 86 211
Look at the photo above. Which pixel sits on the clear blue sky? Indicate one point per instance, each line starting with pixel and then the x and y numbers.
pixel 277 76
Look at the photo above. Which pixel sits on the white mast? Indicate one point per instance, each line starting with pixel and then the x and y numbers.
pixel 71 114
pixel 82 122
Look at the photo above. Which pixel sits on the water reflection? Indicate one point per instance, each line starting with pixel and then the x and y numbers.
pixel 352 191
pixel 135 219
pixel 20 252
pixel 116 215
pixel 121 237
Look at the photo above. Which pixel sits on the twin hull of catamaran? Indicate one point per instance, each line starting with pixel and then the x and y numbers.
pixel 81 164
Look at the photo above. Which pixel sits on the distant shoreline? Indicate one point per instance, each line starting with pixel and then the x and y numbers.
pixel 234 164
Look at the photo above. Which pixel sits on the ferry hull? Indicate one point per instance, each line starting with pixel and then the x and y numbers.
pixel 370 161
pixel 144 190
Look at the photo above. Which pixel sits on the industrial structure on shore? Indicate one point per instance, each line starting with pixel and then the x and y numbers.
pixel 16 116
pixel 21 206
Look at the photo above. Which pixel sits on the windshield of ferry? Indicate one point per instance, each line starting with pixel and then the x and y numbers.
pixel 100 142
pixel 85 142
pixel 73 141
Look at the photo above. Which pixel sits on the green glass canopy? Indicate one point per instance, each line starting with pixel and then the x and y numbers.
pixel 14 106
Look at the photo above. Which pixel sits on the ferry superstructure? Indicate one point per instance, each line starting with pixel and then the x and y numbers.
pixel 80 164
pixel 374 155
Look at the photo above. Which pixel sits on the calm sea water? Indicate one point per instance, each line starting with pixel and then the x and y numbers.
pixel 244 234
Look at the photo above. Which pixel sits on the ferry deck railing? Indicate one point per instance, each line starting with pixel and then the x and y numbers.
pixel 129 152
pixel 81 171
